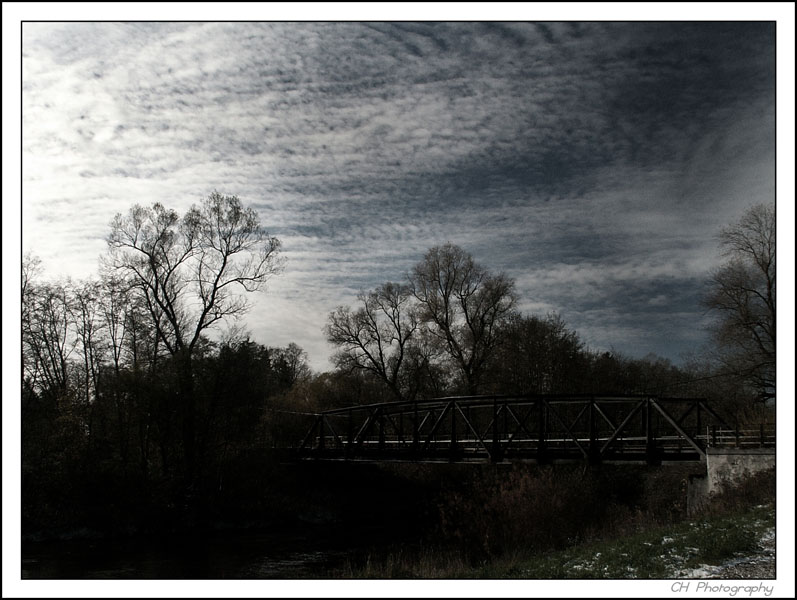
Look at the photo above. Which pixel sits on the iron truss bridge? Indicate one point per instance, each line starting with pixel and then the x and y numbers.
pixel 545 429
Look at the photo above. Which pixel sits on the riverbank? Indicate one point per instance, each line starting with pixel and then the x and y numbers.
pixel 740 545
pixel 732 537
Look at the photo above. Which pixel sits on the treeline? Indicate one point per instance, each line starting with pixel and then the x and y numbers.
pixel 132 416
pixel 101 421
pixel 129 410
pixel 452 328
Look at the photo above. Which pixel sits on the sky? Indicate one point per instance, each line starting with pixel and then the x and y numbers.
pixel 592 162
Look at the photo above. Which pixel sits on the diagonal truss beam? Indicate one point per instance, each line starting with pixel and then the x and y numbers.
pixel 365 427
pixel 338 439
pixel 579 415
pixel 396 428
pixel 467 422
pixel 493 421
pixel 521 424
pixel 310 433
pixel 605 417
pixel 436 426
pixel 687 412
pixel 622 426
pixel 677 427
pixel 710 411
pixel 556 415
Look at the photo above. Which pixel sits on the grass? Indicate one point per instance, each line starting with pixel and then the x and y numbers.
pixel 666 552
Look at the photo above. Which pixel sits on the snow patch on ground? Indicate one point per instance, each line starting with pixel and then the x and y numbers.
pixel 732 569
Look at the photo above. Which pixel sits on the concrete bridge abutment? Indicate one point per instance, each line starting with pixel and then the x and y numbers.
pixel 725 465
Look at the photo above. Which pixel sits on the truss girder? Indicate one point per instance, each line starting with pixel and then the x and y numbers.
pixel 496 428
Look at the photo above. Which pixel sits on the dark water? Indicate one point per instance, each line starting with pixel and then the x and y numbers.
pixel 239 555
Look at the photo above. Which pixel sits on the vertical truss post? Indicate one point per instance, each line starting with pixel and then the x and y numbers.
pixel 321 433
pixel 400 429
pixel 542 431
pixel 308 438
pixel 381 430
pixel 650 439
pixel 495 455
pixel 594 451
pixel 468 422
pixel 453 447
pixel 350 434
pixel 416 434
pixel 699 422
pixel 506 423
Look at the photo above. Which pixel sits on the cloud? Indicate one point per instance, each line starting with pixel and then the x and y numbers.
pixel 585 159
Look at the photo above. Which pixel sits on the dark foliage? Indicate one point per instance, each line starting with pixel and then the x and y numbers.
pixel 533 509
pixel 129 428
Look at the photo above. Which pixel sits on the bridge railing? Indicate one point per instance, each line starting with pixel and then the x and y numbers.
pixel 761 437
pixel 497 428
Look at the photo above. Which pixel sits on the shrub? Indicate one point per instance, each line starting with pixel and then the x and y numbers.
pixel 534 508
pixel 755 489
pixel 521 508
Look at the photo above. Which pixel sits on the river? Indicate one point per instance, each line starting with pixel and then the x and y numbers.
pixel 311 553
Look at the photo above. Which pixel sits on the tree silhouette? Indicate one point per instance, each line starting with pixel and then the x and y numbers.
pixel 462 305
pixel 376 337
pixel 190 272
pixel 742 292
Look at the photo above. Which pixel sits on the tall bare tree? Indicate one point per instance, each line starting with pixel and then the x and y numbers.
pixel 91 335
pixel 742 292
pixel 462 305
pixel 376 337
pixel 48 333
pixel 191 272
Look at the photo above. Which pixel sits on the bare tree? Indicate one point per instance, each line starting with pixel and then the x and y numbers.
pixel 187 269
pixel 376 337
pixel 191 272
pixel 91 335
pixel 462 305
pixel 131 349
pixel 48 334
pixel 116 311
pixel 31 369
pixel 742 292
